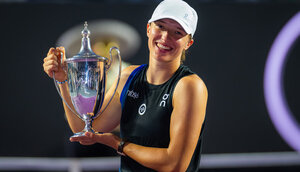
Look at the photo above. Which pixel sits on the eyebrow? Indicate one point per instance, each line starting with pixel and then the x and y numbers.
pixel 180 28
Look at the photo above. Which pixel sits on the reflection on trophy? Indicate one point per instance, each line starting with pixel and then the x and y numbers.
pixel 106 33
pixel 86 73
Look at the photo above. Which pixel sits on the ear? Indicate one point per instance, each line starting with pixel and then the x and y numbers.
pixel 190 43
pixel 148 29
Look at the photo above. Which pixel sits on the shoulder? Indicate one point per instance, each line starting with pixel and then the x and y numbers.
pixel 191 85
pixel 127 71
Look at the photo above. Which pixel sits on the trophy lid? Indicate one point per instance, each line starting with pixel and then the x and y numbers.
pixel 86 53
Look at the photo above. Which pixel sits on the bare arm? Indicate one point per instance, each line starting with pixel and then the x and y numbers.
pixel 189 102
pixel 106 121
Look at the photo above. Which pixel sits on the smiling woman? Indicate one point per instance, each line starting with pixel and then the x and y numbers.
pixel 167 39
pixel 160 106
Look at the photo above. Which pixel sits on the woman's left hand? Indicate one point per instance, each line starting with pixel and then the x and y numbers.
pixel 90 138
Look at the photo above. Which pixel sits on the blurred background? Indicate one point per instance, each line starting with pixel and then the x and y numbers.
pixel 232 43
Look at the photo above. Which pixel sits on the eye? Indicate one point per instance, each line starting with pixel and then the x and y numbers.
pixel 178 33
pixel 160 26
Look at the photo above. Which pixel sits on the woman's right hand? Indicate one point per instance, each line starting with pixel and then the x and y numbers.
pixel 53 63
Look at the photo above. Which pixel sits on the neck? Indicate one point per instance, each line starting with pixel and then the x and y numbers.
pixel 160 72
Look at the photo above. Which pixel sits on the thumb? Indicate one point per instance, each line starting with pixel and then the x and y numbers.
pixel 62 53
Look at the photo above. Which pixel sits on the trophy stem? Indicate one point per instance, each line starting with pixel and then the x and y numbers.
pixel 88 123
pixel 88 126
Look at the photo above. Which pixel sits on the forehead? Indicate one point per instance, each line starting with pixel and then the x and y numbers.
pixel 170 22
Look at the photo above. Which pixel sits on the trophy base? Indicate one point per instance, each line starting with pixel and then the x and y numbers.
pixel 82 133
pixel 79 134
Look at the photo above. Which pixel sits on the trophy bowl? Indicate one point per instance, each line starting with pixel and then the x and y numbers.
pixel 86 73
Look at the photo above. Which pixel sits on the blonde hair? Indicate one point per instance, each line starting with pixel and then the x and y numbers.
pixel 182 58
pixel 183 54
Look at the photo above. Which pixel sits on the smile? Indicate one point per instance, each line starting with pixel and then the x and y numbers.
pixel 163 47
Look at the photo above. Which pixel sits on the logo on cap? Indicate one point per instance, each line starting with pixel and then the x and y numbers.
pixel 186 16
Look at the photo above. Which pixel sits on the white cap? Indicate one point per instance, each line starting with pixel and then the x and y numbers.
pixel 179 11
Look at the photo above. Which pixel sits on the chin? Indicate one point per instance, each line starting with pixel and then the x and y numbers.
pixel 165 58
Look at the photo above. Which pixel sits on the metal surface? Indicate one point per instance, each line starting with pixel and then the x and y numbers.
pixel 86 73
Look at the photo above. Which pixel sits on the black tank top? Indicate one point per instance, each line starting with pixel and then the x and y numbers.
pixel 146 114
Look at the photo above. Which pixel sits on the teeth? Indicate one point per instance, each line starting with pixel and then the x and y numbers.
pixel 163 47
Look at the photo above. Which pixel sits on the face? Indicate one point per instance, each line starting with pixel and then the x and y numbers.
pixel 167 39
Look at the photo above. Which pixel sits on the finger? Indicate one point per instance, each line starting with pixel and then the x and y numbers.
pixel 79 139
pixel 49 70
pixel 51 51
pixel 61 49
pixel 58 55
pixel 86 143
pixel 62 53
pixel 50 57
pixel 50 62
pixel 89 134
pixel 50 65
pixel 88 138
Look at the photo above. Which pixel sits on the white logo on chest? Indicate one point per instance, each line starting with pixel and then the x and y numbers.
pixel 163 102
pixel 142 109
pixel 133 94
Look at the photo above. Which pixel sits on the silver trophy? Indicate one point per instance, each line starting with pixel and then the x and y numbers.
pixel 86 73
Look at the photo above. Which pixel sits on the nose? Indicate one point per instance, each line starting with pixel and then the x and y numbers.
pixel 165 35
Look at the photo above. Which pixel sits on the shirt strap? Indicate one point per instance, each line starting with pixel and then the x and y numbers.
pixel 128 82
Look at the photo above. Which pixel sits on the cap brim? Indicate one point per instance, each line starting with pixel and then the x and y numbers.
pixel 182 24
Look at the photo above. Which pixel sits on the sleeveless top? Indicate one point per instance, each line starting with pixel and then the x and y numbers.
pixel 146 114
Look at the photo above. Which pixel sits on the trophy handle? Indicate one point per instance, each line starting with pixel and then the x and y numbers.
pixel 119 75
pixel 57 88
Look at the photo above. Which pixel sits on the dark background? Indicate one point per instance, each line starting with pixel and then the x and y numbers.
pixel 230 50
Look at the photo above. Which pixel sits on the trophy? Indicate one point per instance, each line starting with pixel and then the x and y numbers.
pixel 86 74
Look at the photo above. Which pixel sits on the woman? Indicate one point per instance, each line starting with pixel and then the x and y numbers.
pixel 160 106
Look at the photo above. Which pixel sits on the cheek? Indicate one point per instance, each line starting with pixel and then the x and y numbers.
pixel 184 44
pixel 181 45
pixel 153 33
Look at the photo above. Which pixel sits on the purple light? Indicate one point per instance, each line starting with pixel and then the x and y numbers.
pixel 279 111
